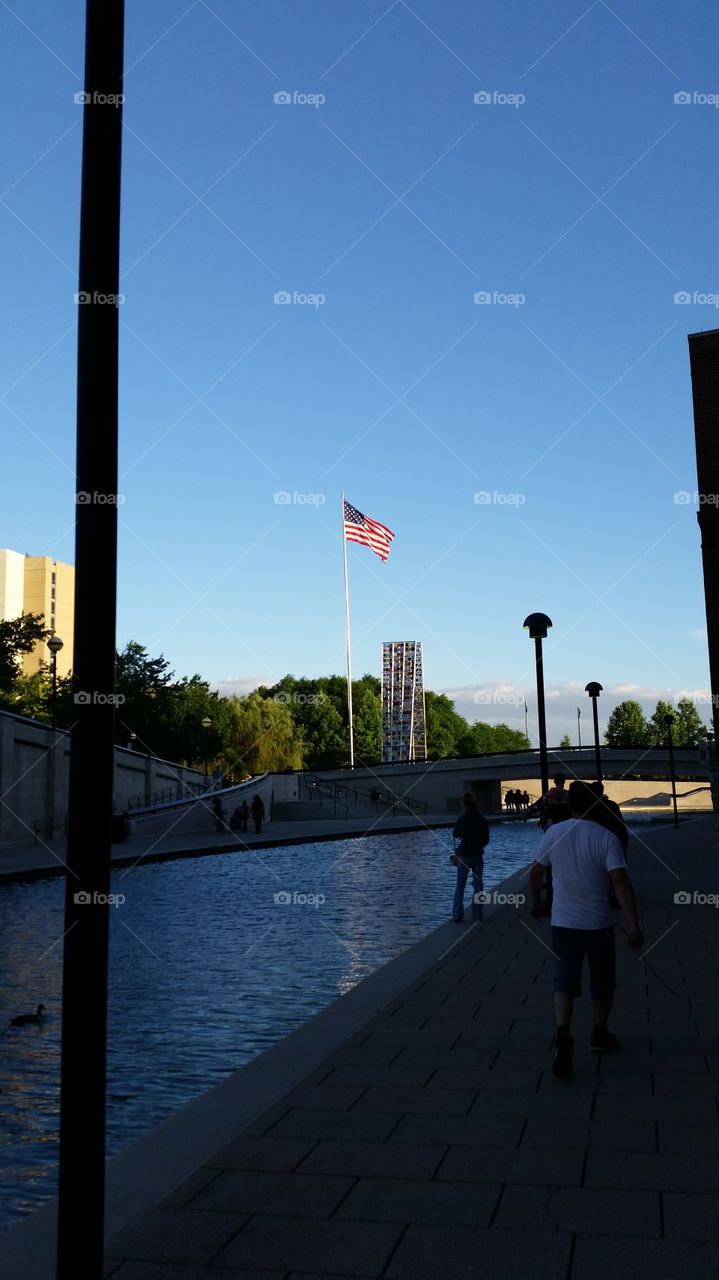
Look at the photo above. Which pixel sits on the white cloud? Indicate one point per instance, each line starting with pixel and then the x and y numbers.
pixel 498 701
pixel 239 685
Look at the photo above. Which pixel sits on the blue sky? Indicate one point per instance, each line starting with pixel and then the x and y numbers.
pixel 581 198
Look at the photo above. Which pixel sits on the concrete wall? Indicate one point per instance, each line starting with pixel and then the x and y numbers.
pixel 34 777
pixel 637 795
pixel 440 784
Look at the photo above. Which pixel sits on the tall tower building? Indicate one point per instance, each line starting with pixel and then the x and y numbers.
pixel 704 360
pixel 38 584
pixel 404 732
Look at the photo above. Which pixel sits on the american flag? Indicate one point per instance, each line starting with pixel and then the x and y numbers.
pixel 370 533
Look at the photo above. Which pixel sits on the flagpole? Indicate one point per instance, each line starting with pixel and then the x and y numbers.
pixel 347 642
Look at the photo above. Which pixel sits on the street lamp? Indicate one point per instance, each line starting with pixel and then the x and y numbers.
pixel 669 721
pixel 538 624
pixel 206 722
pixel 594 688
pixel 54 644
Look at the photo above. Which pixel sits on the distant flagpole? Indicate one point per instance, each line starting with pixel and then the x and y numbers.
pixel 526 720
pixel 347 642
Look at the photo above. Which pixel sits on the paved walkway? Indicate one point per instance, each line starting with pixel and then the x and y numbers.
pixel 437 1143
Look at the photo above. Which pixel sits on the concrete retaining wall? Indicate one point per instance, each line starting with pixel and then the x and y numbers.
pixel 35 772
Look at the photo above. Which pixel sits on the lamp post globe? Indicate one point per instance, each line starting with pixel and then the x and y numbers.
pixel 594 688
pixel 206 723
pixel 538 624
pixel 54 644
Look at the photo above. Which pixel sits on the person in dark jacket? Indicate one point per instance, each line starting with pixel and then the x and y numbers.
pixel 257 809
pixel 472 831
pixel 608 814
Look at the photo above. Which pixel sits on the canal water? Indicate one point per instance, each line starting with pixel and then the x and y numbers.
pixel 212 959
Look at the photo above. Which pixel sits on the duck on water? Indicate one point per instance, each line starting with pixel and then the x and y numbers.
pixel 24 1019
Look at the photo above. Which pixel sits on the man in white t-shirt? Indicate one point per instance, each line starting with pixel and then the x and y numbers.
pixel 583 857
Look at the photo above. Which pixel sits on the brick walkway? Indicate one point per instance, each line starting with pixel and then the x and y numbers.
pixel 436 1143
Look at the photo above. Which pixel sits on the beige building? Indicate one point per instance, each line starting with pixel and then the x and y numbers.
pixel 37 584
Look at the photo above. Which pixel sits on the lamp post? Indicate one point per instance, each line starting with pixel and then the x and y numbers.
pixel 538 624
pixel 54 644
pixel 594 688
pixel 206 722
pixel 579 728
pixel 669 721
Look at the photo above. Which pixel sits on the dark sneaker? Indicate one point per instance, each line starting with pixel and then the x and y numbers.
pixel 603 1041
pixel 562 1062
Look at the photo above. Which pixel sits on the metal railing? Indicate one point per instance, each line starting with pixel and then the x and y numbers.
pixel 360 795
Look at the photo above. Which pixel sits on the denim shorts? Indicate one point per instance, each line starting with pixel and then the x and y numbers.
pixel 570 946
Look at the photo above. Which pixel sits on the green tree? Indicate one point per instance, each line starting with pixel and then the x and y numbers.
pixel 367 717
pixel 657 727
pixel 627 726
pixel 482 738
pixel 564 742
pixel 18 636
pixel 190 702
pixel 32 695
pixel 445 726
pixel 261 737
pixel 689 729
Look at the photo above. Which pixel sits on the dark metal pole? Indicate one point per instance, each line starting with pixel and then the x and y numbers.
pixel 54 689
pixel 543 760
pixel 670 744
pixel 579 728
pixel 597 751
pixel 84 1011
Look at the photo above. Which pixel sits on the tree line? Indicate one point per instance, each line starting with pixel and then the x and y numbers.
pixel 296 723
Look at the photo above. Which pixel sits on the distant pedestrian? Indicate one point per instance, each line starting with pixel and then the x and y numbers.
pixel 508 799
pixel 216 778
pixel 219 815
pixel 525 800
pixel 581 855
pixel 558 801
pixel 257 809
pixel 245 815
pixel 472 831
